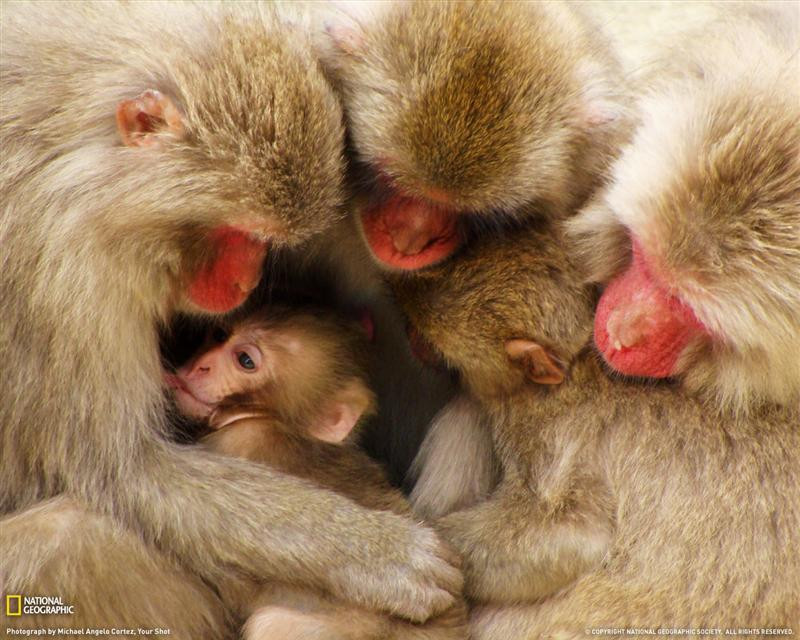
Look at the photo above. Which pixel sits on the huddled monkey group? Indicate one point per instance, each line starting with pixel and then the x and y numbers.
pixel 408 319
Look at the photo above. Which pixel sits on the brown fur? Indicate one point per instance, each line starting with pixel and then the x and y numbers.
pixel 710 187
pixel 103 239
pixel 332 355
pixel 491 101
pixel 620 504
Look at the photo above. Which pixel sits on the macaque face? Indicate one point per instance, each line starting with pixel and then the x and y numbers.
pixel 461 114
pixel 709 195
pixel 272 172
pixel 230 365
pixel 305 371
pixel 641 328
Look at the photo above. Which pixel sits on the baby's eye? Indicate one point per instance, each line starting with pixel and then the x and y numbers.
pixel 245 361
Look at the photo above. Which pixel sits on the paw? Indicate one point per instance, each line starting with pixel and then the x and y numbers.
pixel 414 579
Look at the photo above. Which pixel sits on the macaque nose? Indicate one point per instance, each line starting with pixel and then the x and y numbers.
pixel 627 327
pixel 200 369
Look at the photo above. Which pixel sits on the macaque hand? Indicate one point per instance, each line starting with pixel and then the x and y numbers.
pixel 407 572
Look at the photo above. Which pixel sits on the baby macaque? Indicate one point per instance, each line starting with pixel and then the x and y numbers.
pixel 286 388
pixel 464 113
pixel 619 504
pixel 698 233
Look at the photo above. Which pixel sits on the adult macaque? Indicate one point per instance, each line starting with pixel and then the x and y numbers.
pixel 620 504
pixel 466 113
pixel 287 388
pixel 699 229
pixel 151 155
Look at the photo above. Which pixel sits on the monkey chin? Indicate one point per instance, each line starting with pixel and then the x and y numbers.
pixel 406 234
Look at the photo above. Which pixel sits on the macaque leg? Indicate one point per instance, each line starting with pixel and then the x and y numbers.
pixel 111 577
pixel 599 600
pixel 514 546
pixel 296 614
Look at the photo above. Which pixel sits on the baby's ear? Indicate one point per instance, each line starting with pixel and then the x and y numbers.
pixel 538 363
pixel 342 412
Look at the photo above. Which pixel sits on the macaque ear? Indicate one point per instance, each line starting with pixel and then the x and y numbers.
pixel 600 104
pixel 140 121
pixel 342 413
pixel 539 364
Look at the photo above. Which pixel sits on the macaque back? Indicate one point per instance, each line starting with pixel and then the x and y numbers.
pixel 619 504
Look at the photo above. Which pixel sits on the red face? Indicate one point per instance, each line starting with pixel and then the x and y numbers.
pixel 640 328
pixel 226 281
pixel 408 233
pixel 234 366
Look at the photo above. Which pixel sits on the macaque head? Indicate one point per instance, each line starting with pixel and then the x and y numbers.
pixel 302 368
pixel 250 149
pixel 698 237
pixel 464 113
pixel 508 312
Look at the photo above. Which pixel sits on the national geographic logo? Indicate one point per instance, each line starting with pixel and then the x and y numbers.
pixel 18 605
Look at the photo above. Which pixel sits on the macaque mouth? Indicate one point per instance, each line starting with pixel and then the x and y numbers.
pixel 409 233
pixel 640 328
pixel 198 408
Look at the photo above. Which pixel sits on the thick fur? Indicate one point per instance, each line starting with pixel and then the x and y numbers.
pixel 710 187
pixel 281 611
pixel 101 238
pixel 60 548
pixel 620 503
pixel 500 104
pixel 336 271
pixel 441 482
pixel 332 357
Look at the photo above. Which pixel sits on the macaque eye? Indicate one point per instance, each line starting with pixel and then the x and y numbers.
pixel 247 355
pixel 245 361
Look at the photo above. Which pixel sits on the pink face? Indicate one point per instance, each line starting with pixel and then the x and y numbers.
pixel 224 283
pixel 640 328
pixel 407 234
pixel 234 366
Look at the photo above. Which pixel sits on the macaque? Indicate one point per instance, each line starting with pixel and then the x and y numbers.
pixel 287 388
pixel 698 233
pixel 619 504
pixel 152 155
pixel 467 114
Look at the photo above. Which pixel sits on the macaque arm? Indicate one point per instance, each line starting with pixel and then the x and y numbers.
pixel 456 465
pixel 341 468
pixel 293 531
pixel 514 547
pixel 289 613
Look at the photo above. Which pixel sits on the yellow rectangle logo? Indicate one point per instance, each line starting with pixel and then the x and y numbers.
pixel 12 610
